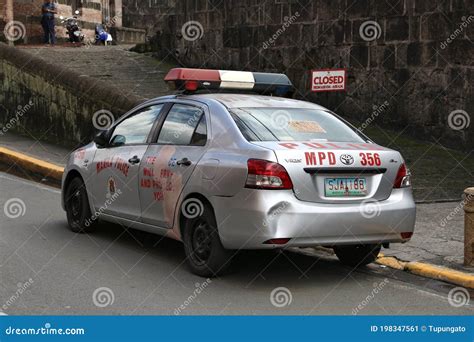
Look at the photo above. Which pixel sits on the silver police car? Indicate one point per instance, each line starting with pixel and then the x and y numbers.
pixel 230 163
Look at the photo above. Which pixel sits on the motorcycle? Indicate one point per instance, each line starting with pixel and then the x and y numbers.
pixel 72 28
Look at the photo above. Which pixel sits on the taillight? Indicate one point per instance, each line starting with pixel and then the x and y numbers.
pixel 403 178
pixel 263 174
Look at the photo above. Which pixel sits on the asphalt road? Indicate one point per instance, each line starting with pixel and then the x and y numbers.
pixel 60 272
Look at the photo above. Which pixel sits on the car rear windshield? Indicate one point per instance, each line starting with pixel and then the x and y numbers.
pixel 283 124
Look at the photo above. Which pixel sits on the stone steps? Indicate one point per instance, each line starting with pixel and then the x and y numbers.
pixel 135 73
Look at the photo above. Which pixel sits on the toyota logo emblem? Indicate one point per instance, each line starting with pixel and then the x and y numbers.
pixel 347 159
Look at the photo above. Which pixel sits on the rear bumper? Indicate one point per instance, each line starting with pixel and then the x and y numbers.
pixel 252 217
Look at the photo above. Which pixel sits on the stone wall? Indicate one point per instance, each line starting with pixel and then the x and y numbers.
pixel 50 102
pixel 417 62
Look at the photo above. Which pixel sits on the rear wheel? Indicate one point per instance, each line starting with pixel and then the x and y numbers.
pixel 357 255
pixel 204 251
pixel 77 207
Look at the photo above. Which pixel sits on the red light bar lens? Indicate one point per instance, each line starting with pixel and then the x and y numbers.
pixel 191 85
pixel 185 74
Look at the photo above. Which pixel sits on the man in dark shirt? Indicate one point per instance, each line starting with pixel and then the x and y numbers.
pixel 48 11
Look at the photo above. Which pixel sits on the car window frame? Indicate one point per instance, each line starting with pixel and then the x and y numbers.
pixel 154 139
pixel 133 112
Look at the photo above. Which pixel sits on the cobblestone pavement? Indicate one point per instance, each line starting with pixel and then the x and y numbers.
pixel 135 73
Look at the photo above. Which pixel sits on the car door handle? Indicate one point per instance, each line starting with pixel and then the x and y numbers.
pixel 134 160
pixel 184 162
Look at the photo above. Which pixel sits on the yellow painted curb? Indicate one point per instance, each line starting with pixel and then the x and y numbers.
pixel 430 271
pixel 31 164
pixel 391 262
pixel 441 273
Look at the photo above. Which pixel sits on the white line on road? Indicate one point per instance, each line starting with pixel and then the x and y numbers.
pixel 30 183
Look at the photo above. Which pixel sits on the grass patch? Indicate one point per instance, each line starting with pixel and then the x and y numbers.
pixel 437 172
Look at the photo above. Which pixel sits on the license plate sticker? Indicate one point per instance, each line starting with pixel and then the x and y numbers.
pixel 345 187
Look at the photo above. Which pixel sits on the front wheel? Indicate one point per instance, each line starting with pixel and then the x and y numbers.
pixel 357 255
pixel 77 206
pixel 204 251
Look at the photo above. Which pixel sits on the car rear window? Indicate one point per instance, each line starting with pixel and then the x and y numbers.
pixel 283 124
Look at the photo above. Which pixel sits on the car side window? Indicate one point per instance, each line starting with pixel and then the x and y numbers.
pixel 184 125
pixel 136 128
pixel 199 137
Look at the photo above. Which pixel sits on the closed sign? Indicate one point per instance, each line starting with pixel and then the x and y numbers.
pixel 328 80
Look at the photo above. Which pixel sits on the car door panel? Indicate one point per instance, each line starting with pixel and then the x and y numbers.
pixel 116 181
pixel 167 167
pixel 116 167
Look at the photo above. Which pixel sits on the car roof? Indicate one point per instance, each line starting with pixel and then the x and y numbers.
pixel 253 101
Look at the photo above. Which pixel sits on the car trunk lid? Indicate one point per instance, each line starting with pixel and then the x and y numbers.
pixel 335 172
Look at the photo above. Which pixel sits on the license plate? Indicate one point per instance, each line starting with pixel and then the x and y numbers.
pixel 345 187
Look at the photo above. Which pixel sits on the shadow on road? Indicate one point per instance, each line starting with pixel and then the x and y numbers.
pixel 256 268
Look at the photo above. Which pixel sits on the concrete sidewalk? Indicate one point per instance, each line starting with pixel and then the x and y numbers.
pixel 439 230
pixel 438 237
pixel 35 148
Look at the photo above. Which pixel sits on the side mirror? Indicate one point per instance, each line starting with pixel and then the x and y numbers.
pixel 101 139
pixel 118 140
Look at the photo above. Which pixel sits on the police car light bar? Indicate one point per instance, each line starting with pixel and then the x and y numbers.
pixel 191 80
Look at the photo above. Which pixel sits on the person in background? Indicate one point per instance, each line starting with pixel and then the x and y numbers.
pixel 48 11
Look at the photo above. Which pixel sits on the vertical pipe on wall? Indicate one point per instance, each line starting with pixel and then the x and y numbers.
pixel 9 15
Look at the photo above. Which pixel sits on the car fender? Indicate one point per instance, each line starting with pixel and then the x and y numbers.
pixel 80 161
pixel 219 174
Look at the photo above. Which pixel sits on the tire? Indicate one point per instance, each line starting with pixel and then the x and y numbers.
pixel 205 254
pixel 357 255
pixel 77 207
